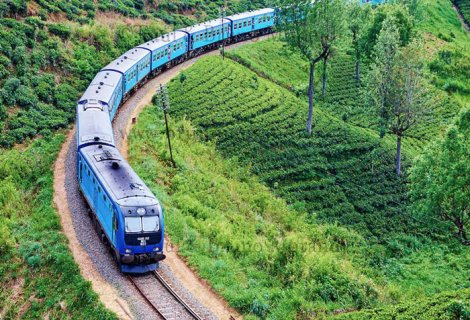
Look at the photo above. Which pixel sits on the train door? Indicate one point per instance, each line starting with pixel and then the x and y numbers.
pixel 252 23
pixel 115 225
pixel 80 170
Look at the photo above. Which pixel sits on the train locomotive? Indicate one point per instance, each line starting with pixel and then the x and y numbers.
pixel 127 216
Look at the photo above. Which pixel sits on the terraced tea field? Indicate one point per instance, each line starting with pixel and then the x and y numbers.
pixel 342 172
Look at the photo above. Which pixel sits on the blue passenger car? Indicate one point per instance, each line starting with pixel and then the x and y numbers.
pixel 93 123
pixel 107 88
pixel 252 21
pixel 134 65
pixel 207 33
pixel 166 48
pixel 126 214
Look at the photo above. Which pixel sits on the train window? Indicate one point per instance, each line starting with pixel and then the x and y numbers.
pixel 88 172
pixel 99 189
pixel 133 224
pixel 94 180
pixel 150 224
pixel 104 198
pixel 244 23
pixel 269 18
pixel 235 26
pixel 249 23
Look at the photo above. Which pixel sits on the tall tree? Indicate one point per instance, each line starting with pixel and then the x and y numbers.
pixel 312 28
pixel 403 20
pixel 397 86
pixel 360 20
pixel 440 178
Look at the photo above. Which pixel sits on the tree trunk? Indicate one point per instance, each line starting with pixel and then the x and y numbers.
pixel 323 89
pixel 310 98
pixel 358 65
pixel 398 159
pixel 462 234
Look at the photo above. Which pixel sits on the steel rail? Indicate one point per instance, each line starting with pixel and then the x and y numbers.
pixel 176 296
pixel 150 303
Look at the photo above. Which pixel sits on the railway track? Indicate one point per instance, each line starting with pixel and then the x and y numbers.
pixel 159 302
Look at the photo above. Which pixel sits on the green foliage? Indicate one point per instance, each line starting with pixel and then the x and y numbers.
pixel 38 274
pixel 450 60
pixel 464 8
pixel 264 127
pixel 444 306
pixel 59 29
pixel 402 18
pixel 263 257
pixel 440 179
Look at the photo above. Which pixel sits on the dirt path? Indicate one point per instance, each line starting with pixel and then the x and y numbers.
pixel 122 125
pixel 108 295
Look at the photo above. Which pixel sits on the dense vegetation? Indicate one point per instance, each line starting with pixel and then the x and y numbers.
pixel 260 255
pixel 343 237
pixel 344 174
pixel 50 51
pixel 264 126
pixel 447 305
pixel 464 8
pixel 39 278
pixel 44 67
pixel 177 13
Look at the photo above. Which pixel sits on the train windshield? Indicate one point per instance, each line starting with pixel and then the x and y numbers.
pixel 139 224
pixel 150 224
pixel 133 224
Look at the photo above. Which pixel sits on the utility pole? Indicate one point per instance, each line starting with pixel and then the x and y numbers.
pixel 222 14
pixel 163 102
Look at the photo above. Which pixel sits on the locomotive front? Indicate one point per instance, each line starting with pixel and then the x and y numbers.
pixel 142 234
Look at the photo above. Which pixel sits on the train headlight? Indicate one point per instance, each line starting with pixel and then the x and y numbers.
pixel 155 249
pixel 128 251
pixel 141 211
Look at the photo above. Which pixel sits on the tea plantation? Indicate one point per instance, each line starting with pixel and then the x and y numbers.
pixel 342 173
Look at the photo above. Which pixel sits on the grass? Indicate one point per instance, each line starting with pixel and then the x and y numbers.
pixel 261 256
pixel 39 278
pixel 215 213
pixel 447 305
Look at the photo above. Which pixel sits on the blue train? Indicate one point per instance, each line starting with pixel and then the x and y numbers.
pixel 126 214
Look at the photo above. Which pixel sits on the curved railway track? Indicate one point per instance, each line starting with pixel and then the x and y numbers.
pixel 93 257
pixel 165 310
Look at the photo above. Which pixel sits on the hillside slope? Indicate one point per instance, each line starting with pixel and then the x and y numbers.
pixel 261 256
pixel 341 173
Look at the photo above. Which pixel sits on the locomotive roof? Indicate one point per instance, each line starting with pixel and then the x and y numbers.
pixel 102 86
pixel 205 25
pixel 93 123
pixel 250 14
pixel 120 180
pixel 127 60
pixel 163 40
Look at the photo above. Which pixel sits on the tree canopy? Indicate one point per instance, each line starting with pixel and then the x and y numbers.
pixel 441 178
